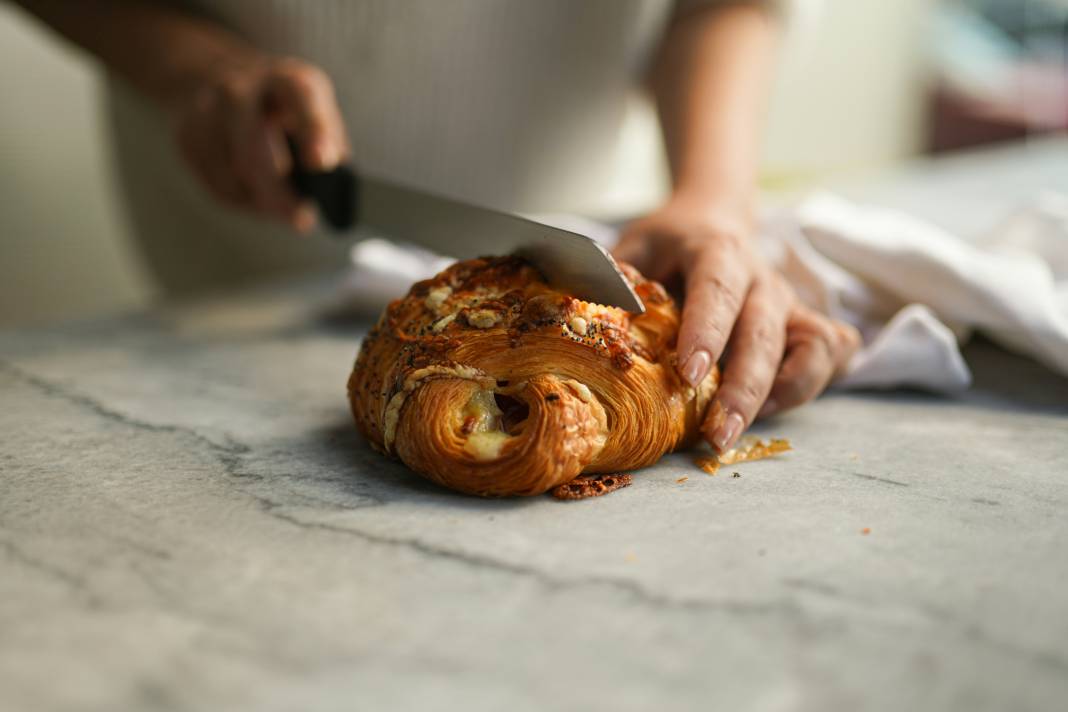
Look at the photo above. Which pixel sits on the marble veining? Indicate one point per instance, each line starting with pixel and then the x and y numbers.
pixel 188 521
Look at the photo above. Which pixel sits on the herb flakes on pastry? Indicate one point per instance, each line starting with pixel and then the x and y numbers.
pixel 487 380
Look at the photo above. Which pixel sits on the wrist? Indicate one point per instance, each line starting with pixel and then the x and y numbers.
pixel 736 205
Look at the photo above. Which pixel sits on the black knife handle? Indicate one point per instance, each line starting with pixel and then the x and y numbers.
pixel 336 191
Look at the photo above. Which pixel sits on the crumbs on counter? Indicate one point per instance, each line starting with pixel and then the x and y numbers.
pixel 736 474
pixel 709 464
pixel 751 448
pixel 681 480
pixel 866 531
pixel 586 486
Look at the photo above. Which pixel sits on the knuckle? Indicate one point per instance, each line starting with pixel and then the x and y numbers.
pixel 780 289
pixel 306 79
pixel 825 336
pixel 765 336
pixel 729 233
pixel 746 395
pixel 804 382
pixel 732 238
pixel 227 92
pixel 811 377
pixel 751 392
pixel 704 251
pixel 712 337
pixel 726 295
pixel 850 336
pixel 820 328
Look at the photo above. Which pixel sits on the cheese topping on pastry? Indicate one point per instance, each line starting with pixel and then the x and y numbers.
pixel 437 296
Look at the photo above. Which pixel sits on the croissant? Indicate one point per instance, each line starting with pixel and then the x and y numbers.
pixel 487 380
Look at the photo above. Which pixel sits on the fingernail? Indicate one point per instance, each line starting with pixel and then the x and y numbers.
pixel 769 407
pixel 697 367
pixel 726 435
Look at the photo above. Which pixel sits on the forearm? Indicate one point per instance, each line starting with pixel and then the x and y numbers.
pixel 710 82
pixel 161 50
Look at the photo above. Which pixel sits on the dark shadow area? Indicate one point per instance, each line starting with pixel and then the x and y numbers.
pixel 340 318
pixel 1002 381
pixel 1011 382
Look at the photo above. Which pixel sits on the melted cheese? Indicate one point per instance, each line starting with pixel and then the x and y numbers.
pixel 486 446
pixel 437 296
pixel 483 318
pixel 486 438
pixel 483 407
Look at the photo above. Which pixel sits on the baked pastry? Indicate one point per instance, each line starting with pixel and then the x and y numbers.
pixel 487 380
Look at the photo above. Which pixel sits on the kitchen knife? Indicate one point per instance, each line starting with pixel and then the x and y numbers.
pixel 569 261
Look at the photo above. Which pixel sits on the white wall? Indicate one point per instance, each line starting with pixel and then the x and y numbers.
pixel 63 247
pixel 848 99
pixel 849 94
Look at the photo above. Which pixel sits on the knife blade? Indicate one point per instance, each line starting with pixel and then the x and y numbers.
pixel 569 261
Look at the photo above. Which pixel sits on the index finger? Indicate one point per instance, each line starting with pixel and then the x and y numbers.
pixel 302 100
pixel 715 290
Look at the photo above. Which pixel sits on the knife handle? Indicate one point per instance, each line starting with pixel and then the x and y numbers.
pixel 336 191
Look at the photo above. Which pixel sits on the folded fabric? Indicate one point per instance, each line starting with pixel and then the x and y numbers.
pixel 913 290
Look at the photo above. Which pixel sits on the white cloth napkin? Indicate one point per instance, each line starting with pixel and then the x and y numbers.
pixel 915 291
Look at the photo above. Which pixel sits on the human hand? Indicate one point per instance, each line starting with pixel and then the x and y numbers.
pixel 818 349
pixel 735 300
pixel 232 124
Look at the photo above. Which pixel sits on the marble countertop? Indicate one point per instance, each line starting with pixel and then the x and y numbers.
pixel 188 520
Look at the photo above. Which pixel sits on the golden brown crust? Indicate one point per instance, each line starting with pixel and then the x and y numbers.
pixel 488 381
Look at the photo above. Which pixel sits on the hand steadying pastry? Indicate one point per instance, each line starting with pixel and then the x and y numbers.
pixel 708 80
pixel 781 353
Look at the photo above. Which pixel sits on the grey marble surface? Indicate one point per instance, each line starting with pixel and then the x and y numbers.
pixel 189 521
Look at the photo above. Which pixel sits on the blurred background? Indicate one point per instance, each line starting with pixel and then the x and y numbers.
pixel 864 86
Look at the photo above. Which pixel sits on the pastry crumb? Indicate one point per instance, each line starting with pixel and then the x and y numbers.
pixel 755 449
pixel 709 464
pixel 586 486
pixel 751 448
pixel 681 480
pixel 865 531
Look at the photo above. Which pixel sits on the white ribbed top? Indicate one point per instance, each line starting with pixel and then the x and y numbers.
pixel 514 104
